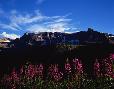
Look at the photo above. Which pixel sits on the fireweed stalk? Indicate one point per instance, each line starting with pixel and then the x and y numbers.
pixel 68 74
pixel 97 68
pixel 78 72
pixel 78 69
pixel 39 70
pixel 67 69
pixel 108 67
pixel 78 66
pixel 30 72
pixel 112 58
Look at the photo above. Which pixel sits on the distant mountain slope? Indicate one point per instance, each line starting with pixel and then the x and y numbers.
pixel 4 42
pixel 49 38
pixel 92 36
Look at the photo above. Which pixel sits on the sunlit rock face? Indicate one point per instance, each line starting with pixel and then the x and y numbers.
pixel 45 38
pixel 54 38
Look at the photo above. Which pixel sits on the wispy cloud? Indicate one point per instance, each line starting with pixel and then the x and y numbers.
pixel 39 1
pixel 38 28
pixel 8 27
pixel 11 36
pixel 55 27
pixel 27 18
pixel 36 22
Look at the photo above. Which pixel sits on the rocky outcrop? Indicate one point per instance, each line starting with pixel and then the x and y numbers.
pixel 92 36
pixel 49 38
pixel 44 38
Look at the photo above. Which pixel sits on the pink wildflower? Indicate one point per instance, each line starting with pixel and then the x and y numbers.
pixel 108 67
pixel 97 68
pixel 55 73
pixel 112 56
pixel 39 70
pixel 78 66
pixel 67 67
pixel 30 72
pixel 14 75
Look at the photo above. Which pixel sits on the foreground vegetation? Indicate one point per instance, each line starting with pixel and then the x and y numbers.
pixel 52 76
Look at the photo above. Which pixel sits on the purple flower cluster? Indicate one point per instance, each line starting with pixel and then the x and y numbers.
pixel 55 73
pixel 78 66
pixel 31 72
pixel 104 68
pixel 97 68
pixel 67 66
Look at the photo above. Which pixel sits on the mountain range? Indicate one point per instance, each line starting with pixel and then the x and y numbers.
pixel 49 38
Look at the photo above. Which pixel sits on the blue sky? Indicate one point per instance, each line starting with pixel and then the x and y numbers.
pixel 20 16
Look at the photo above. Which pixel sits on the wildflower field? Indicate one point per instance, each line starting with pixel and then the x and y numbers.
pixel 71 76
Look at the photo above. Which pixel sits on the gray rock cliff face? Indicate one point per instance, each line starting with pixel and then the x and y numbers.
pixel 49 38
